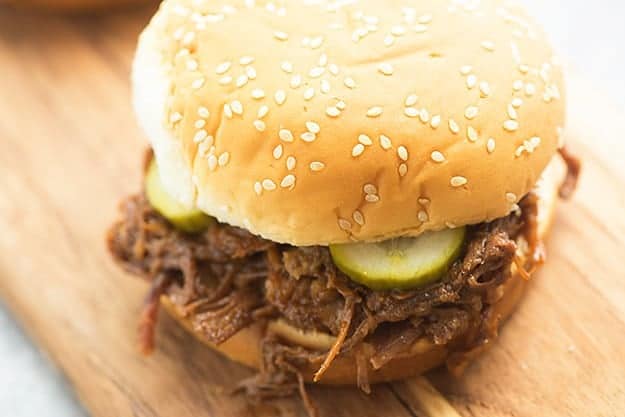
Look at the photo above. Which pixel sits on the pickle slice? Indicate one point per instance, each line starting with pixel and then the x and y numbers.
pixel 183 218
pixel 400 263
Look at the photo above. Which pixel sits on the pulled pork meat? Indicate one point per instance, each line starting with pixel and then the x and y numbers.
pixel 225 278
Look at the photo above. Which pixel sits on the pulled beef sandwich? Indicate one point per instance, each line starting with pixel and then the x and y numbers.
pixel 342 192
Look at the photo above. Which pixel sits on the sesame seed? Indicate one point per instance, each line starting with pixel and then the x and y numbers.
pixel 344 224
pixel 262 111
pixel 199 124
pixel 287 67
pixel 312 127
pixel 250 72
pixel 458 181
pixel 212 162
pixel 490 145
pixel 316 72
pixel 203 112
pixel 316 42
pixel 471 81
pixel 453 127
pixel 281 36
pixel 466 69
pixel 385 142
pixel 402 152
pixel 425 19
pixel 517 85
pixel 334 69
pixel 370 189
pixel 524 69
pixel 349 82
pixel 197 84
pixel 296 81
pixel 516 102
pixel 288 181
pixel 258 188
pixel 374 111
pixel 277 151
pixel 225 80
pixel 420 28
pixel 242 80
pixel 259 125
pixel 511 197
pixel 192 65
pixel 223 159
pixel 389 40
pixel 358 149
pixel 512 113
pixel 290 163
pixel 258 93
pixel 200 135
pixel 435 122
pixel 423 201
pixel 424 115
pixel 510 125
pixel 309 93
pixel 398 30
pixel 333 111
pixel 402 169
pixel 237 107
pixel 471 112
pixel 280 97
pixel 411 112
pixel 323 60
pixel 268 184
pixel 316 166
pixel 175 117
pixel 488 45
pixel 365 140
pixel 228 111
pixel 325 86
pixel 340 105
pixel 484 89
pixel 372 198
pixel 358 217
pixel 411 100
pixel 386 68
pixel 437 156
pixel 246 60
pixel 223 67
pixel 308 137
pixel 472 134
pixel 422 216
pixel 530 89
pixel 285 135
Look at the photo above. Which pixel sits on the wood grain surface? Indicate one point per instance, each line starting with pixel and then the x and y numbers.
pixel 70 149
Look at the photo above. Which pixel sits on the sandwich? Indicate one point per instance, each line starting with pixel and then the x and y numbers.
pixel 343 192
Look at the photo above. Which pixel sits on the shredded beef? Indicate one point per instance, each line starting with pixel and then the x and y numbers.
pixel 224 278
pixel 215 277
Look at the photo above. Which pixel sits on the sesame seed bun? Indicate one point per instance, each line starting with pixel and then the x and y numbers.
pixel 244 346
pixel 316 124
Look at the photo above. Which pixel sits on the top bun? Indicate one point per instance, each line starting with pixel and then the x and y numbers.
pixel 317 122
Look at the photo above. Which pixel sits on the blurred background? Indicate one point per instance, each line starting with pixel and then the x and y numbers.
pixel 588 36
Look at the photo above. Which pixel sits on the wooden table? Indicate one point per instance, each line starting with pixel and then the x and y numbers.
pixel 70 149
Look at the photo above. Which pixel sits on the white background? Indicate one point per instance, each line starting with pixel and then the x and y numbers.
pixel 587 34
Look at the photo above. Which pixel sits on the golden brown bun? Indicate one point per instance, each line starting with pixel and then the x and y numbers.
pixel 72 5
pixel 243 347
pixel 374 170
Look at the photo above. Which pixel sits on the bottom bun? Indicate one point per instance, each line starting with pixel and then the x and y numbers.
pixel 244 346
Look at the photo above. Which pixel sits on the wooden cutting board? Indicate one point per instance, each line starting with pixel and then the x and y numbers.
pixel 70 149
